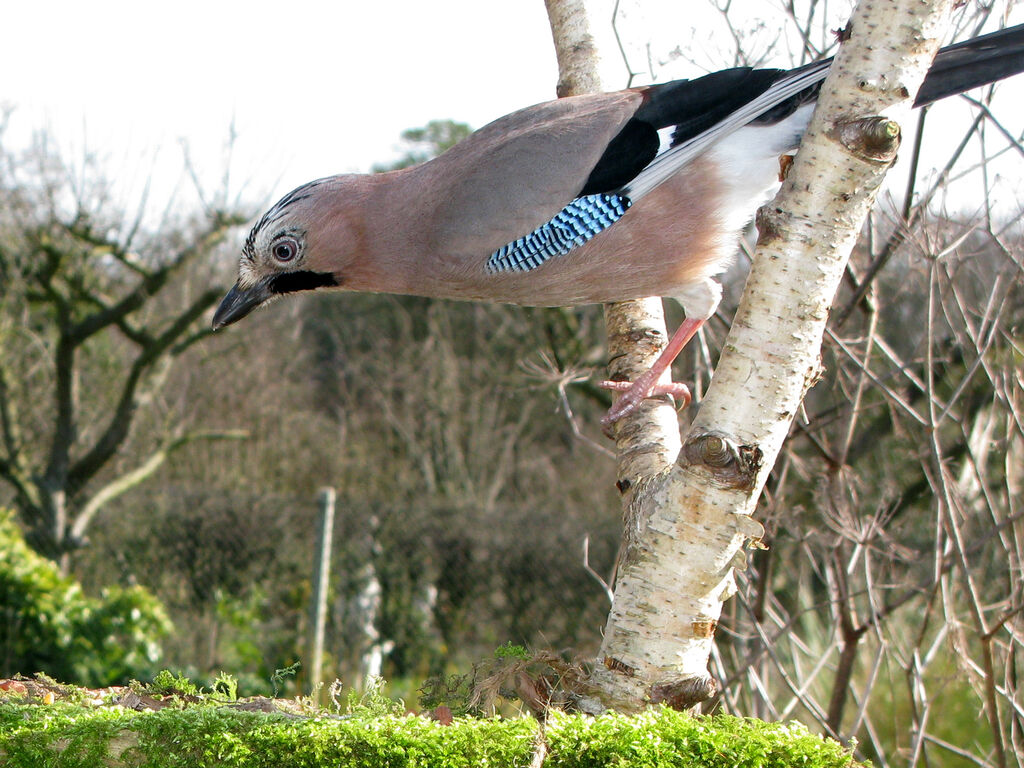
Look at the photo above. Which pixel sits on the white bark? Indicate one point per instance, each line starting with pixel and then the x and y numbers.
pixel 574 47
pixel 690 524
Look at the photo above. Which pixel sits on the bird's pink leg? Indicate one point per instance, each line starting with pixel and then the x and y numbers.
pixel 647 384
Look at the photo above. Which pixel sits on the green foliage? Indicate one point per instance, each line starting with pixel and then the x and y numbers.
pixel 280 675
pixel 511 651
pixel 211 735
pixel 179 689
pixel 226 685
pixel 373 702
pixel 168 683
pixel 48 624
pixel 238 615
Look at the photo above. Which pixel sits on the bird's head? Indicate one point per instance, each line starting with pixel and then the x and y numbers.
pixel 280 254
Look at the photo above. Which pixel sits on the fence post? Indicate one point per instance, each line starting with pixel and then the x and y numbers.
pixel 321 581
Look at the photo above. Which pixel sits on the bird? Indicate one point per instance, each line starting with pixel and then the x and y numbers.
pixel 582 200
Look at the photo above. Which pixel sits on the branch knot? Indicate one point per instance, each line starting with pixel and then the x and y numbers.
pixel 731 465
pixel 684 692
pixel 875 139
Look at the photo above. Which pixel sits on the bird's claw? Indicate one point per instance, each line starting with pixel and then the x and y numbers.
pixel 637 391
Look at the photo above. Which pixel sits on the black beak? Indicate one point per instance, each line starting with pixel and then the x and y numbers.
pixel 238 303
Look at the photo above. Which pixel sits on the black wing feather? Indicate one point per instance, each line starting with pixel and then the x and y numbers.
pixel 627 154
pixel 973 63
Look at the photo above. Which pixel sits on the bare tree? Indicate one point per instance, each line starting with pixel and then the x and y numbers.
pixel 76 273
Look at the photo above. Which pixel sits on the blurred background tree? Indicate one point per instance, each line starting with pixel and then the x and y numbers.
pixel 96 310
pixel 421 144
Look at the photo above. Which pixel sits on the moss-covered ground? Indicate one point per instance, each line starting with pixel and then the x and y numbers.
pixel 144 729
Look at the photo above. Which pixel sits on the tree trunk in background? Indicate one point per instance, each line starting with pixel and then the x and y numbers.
pixel 687 522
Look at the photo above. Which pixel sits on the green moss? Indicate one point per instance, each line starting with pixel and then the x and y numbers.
pixel 168 683
pixel 72 736
pixel 663 738
pixel 63 734
pixel 38 736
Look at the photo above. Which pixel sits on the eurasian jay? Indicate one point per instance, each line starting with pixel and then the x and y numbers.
pixel 582 200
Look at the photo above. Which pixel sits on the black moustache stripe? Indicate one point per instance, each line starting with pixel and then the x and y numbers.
pixel 290 282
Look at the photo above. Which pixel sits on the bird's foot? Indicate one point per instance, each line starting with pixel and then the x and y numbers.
pixel 649 384
pixel 637 391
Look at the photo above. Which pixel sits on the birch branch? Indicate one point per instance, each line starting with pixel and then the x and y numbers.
pixel 693 521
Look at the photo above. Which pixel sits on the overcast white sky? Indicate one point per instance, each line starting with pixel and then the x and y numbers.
pixel 313 88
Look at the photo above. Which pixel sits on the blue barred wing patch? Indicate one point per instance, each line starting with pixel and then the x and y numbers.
pixel 570 228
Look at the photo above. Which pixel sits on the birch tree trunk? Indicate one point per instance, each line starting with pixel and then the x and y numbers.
pixel 688 520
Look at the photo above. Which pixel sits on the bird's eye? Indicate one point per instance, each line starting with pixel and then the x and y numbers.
pixel 285 249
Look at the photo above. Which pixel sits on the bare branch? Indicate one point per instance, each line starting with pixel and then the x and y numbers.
pixel 120 422
pixel 143 471
pixel 154 282
pixel 597 577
